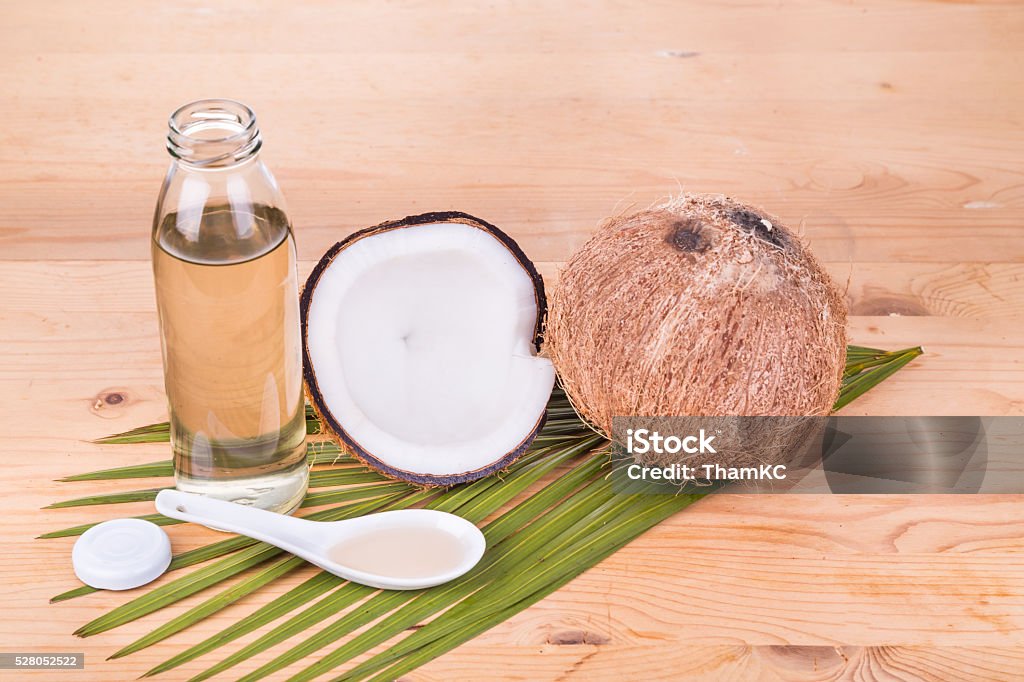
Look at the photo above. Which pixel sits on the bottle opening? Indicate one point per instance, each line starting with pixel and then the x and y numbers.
pixel 213 132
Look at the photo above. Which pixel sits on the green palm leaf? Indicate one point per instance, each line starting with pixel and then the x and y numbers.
pixel 439 598
pixel 549 536
pixel 305 593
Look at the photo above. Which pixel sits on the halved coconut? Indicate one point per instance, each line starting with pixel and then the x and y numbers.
pixel 420 338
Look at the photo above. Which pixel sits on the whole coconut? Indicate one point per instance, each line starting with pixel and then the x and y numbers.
pixel 701 306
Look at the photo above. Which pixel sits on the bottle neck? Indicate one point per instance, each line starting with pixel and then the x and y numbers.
pixel 213 134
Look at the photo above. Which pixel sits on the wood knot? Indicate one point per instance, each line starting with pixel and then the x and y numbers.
pixel 687 235
pixel 110 402
pixel 808 658
pixel 574 637
pixel 897 306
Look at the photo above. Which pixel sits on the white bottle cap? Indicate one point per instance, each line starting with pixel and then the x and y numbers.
pixel 121 554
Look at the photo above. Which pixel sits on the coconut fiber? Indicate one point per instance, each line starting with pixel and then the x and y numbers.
pixel 700 306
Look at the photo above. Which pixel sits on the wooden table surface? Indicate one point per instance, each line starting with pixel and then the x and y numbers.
pixel 891 133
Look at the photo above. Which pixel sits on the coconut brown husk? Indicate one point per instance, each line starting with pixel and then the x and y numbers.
pixel 700 306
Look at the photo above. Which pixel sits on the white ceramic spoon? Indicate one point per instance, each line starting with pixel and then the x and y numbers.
pixel 417 547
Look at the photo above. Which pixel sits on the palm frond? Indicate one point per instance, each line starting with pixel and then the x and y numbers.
pixel 549 535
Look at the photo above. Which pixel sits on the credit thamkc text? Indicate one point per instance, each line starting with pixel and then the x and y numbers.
pixel 706 472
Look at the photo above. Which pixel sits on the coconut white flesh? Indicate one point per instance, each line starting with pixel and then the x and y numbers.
pixel 421 339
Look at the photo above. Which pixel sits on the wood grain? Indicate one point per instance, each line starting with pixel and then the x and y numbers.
pixel 888 133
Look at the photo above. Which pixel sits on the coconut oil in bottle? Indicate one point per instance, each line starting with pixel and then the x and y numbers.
pixel 227 295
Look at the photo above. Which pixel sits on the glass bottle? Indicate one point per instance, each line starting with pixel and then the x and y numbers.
pixel 227 296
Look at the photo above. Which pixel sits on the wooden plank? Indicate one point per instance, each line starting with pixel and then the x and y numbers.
pixel 984 291
pixel 770 663
pixel 432 27
pixel 91 328
pixel 957 79
pixel 944 164
pixel 554 223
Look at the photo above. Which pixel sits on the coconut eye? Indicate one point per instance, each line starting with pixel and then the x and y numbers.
pixel 686 235
pixel 758 225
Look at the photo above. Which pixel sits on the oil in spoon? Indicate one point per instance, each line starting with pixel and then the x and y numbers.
pixel 400 552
